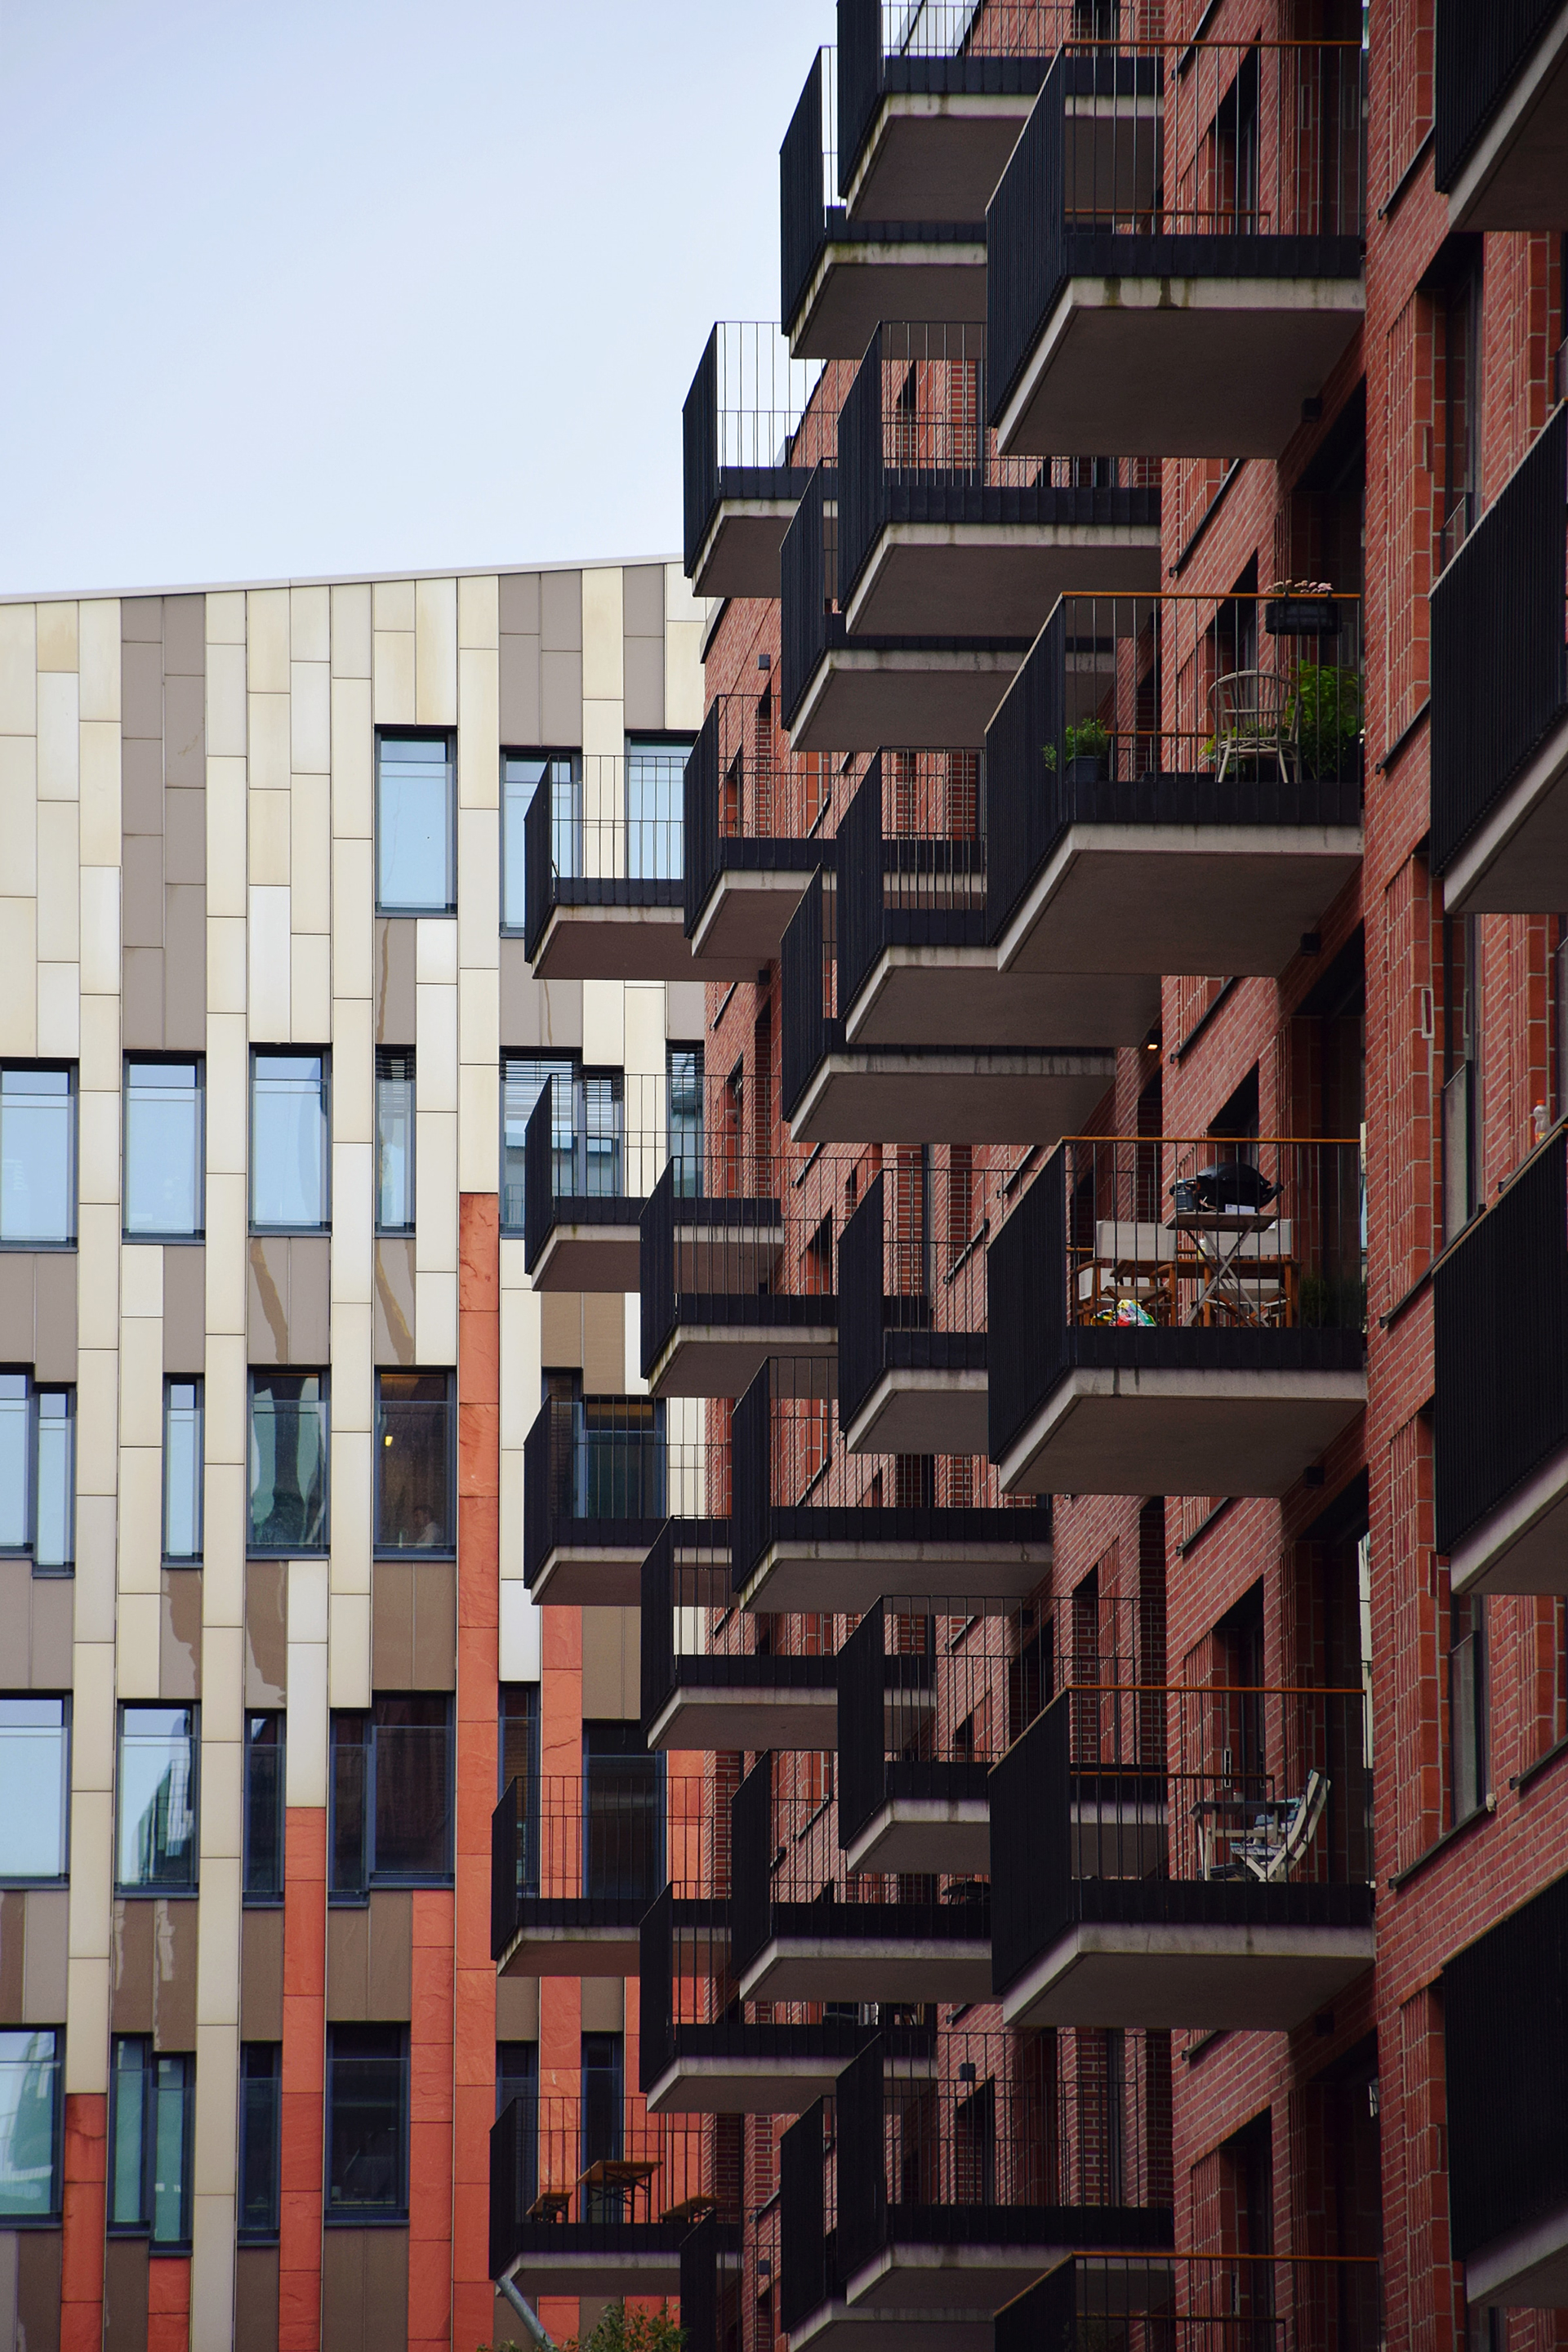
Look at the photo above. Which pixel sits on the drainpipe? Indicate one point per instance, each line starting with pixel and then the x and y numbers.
pixel 526 2313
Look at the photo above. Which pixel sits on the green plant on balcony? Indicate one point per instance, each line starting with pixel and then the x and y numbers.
pixel 1087 740
pixel 1326 717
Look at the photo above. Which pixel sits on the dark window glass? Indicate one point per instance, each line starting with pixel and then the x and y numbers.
pixel 288 1142
pixel 394 1141
pixel 618 1458
pixel 29 2125
pixel 603 2124
pixel 413 1500
pixel 684 1113
pixel 261 2137
pixel 150 2136
pixel 163 1149
pixel 412 1831
pixel 264 1812
pixel 37 1472
pixel 35 1789
pixel 170 2202
pixel 413 825
pixel 183 1465
pixel 519 1758
pixel 1467 1692
pixel 131 2099
pixel 522 774
pixel 157 1847
pixel 523 1079
pixel 350 1826
pixel 517 2097
pixel 623 1828
pixel 288 1462
pixel 368 2122
pixel 655 808
pixel 38 1155
pixel 517 2072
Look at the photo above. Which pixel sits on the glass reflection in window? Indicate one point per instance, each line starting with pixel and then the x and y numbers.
pixel 34 1788
pixel 162 1148
pixel 288 1142
pixel 414 1462
pixel 38 1155
pixel 288 1462
pixel 157 1845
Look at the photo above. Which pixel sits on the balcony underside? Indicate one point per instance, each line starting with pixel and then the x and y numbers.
pixel 926 1408
pixel 748 910
pixel 1125 1430
pixel 710 1718
pixel 1179 897
pixel 834 2327
pixel 929 697
pixel 871 1965
pixel 1523 1544
pixel 1527 2266
pixel 563 1939
pixel 880 273
pixel 603 1571
pixel 712 1356
pixel 764 2069
pixel 800 1575
pixel 740 550
pixel 972 2268
pixel 591 1245
pixel 1232 359
pixel 949 1835
pixel 597 2258
pixel 955 996
pixel 610 941
pixel 909 1096
pixel 994 579
pixel 1516 860
pixel 1514 178
pixel 937 154
pixel 1251 1978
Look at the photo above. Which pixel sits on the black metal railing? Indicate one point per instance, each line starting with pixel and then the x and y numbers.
pixel 592 1150
pixel 514 2176
pixel 590 1851
pixel 1206 158
pixel 810 622
pixel 912 1282
pixel 1500 1377
pixel 752 804
pixel 1480 54
pixel 1243 2302
pixel 1258 1813
pixel 694 1639
pixel 739 1253
pixel 1499 645
pixel 740 424
pixel 911 862
pixel 809 2245
pixel 810 1026
pixel 595 1470
pixel 606 834
pixel 808 173
pixel 1507 2064
pixel 944 48
pixel 590 2171
pixel 1223 711
pixel 1161 1253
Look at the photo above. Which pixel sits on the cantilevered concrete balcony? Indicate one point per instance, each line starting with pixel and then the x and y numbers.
pixel 840 274
pixel 1177 1317
pixel 941 536
pixel 1508 2097
pixel 756 830
pixel 748 448
pixel 733 1271
pixel 930 108
pixel 1499 697
pixel 576 1862
pixel 815 1527
pixel 589 2194
pixel 1502 113
pixel 803 1927
pixel 1094 2299
pixel 911 1305
pixel 601 1476
pixel 1175 249
pixel 839 693
pixel 1174 783
pixel 712 1686
pixel 1230 1888
pixel 954 1088
pixel 1500 1384
pixel 592 1150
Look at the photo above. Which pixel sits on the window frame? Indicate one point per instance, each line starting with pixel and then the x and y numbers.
pixel 448 1547
pixel 363 2217
pixel 405 1230
pixel 73 1095
pixel 138 1061
pixel 571 1055
pixel 50 2219
pixel 370 1875
pixel 321 1054
pixel 269 1899
pixel 635 743
pixel 173 1559
pixel 9 1881
pixel 152 2059
pixel 27 1549
pixel 516 929
pixel 292 1371
pixel 256 2234
pixel 131 1890
pixel 445 736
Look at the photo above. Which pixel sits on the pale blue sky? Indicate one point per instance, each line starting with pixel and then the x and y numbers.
pixel 299 287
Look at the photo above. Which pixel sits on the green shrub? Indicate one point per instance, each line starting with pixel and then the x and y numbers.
pixel 1088 740
pixel 1326 707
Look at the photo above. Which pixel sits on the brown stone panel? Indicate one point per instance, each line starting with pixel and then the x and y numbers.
pixel 518 602
pixel 364 2290
pixel 173 1973
pixel 130 1968
pixel 261 1973
pixel 184 1311
pixel 612 1691
pixel 561 1330
pixel 644 666
pixel 141 987
pixel 38 2290
pixel 434 1625
pixel 395 1301
pixel 517 2009
pixel 184 636
pixel 180 1635
pixel 289 1300
pixel 414 1632
pixel 642 600
pixel 17 1614
pixel 266 1632
pixel 391 1624
pixel 389 1973
pixel 185 834
pixel 184 967
pixel 604 2005
pixel 255 2299
pixel 348 1962
pixel 46 1963
pixel 54 1622
pixel 13 1956
pixel 310 1299
pixel 386 2289
pixel 519 688
pixel 537 1013
pixel 16 1307
pixel 184 761
pixel 603 1344
pixel 560 615
pixel 141 880
pixel 141 787
pixel 125 2296
pixel 394 968
pixel 267 1300
pixel 142 688
pixel 54 1310
pixel 560 697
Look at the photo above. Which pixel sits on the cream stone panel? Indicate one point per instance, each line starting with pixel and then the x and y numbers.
pixel 478 612
pixel 435 949
pixel 59 751
pixel 310 717
pixel 510 1520
pixel 60 1009
pixel 435 1142
pixel 95 1541
pixel 603 745
pixel 227 821
pixel 98 656
pixel 603 619
pixel 478 1127
pixel 683 695
pixel 350 1650
pixel 267 716
pixel 141 1515
pixel 309 625
pixel 98 744
pixel 603 1023
pixel 141 1373
pixel 226 616
pixel 138 1644
pixel 18 669
pixel 96 1430
pixel 59 903
pixel 223 1724
pixel 644 1016
pixel 393 603
pixel 353 1068
pixel 354 933
pixel 222 1544
pixel 479 731
pixel 521 1356
pixel 228 954
pixel 311 852
pixel 351 1453
pixel 435 652
pixel 478 888
pixel 86 2014
pixel 310 1009
pixel 305 1746
pixel 436 1068
pixel 269 971
pixel 100 1045
pixel 269 828
pixel 522 1645
pixel 18 816
pixel 141 1290
pixel 478 1024
pixel 97 1294
pixel 227 1097
pixel 227 1402
pixel 267 631
pixel 226 701
pixel 395 692
pixel 354 1374
pixel 101 931
pixel 435 1317
pixel 351 631
pixel 97 1147
pixel 354 1246
pixel 58 638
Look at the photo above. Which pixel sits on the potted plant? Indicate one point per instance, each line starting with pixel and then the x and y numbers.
pixel 1086 750
pixel 1326 717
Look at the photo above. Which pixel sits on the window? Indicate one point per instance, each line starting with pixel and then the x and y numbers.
pixel 264 1809
pixel 30 2111
pixel 684 1072
pixel 157 1840
pixel 415 1426
pixel 34 1788
pixel 38 1472
pixel 163 1151
pixel 182 1472
pixel 368 2122
pixel 1468 1769
pixel 522 772
pixel 517 2093
pixel 391 1795
pixel 37 1156
pixel 150 2141
pixel 518 1754
pixel 416 867
pixel 602 2122
pixel 288 1462
pixel 288 1142
pixel 623 1815
pixel 656 787
pixel 394 1141
pixel 523 1079
pixel 260 2138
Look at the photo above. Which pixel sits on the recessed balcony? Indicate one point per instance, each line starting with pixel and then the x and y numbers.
pixel 911 1305
pixel 803 1927
pixel 954 1092
pixel 747 430
pixel 591 2194
pixel 936 2204
pixel 1507 2099
pixel 939 535
pixel 928 117
pixel 1501 1388
pixel 576 1862
pixel 814 1528
pixel 840 274
pixel 756 830
pixel 1096 2299
pixel 1502 113
pixel 1196 1858
pixel 1177 1317
pixel 703 2051
pixel 592 1150
pixel 1499 697
pixel 1174 783
pixel 1174 249
pixel 716 1679
pixel 601 1474
pixel 842 693
pixel 736 1266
